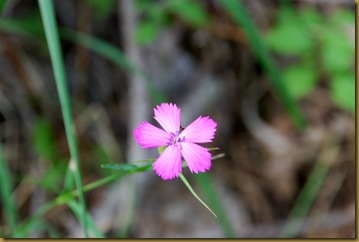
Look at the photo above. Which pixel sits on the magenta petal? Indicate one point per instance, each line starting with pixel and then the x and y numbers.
pixel 197 157
pixel 149 136
pixel 169 164
pixel 201 130
pixel 168 116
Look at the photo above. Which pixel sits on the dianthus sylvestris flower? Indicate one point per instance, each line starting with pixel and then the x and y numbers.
pixel 178 143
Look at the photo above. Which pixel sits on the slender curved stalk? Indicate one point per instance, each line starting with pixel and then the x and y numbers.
pixel 309 191
pixel 6 196
pixel 195 194
pixel 51 32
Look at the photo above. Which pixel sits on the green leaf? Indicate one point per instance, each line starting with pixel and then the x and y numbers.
pixel 51 180
pixel 300 79
pixel 190 11
pixel 127 168
pixel 311 16
pixel 3 3
pixel 312 19
pixel 342 17
pixel 337 51
pixel 43 140
pixel 147 32
pixel 289 35
pixel 343 91
pixel 101 8
pixel 161 149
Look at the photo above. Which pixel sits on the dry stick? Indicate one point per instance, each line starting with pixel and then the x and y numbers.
pixel 116 209
pixel 138 103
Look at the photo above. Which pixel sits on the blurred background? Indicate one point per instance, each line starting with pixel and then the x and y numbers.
pixel 277 77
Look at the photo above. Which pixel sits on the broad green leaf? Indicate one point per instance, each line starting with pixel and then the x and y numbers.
pixel 190 11
pixel 337 53
pixel 146 32
pixel 342 17
pixel 289 35
pixel 300 79
pixel 343 91
pixel 313 19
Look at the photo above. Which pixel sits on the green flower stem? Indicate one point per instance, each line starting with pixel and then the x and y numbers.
pixel 6 196
pixel 48 18
pixel 195 194
pixel 241 16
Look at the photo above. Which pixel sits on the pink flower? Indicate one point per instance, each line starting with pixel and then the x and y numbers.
pixel 179 143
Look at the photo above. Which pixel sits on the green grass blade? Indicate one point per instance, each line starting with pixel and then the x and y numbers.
pixel 30 224
pixel 92 226
pixel 6 196
pixel 305 200
pixel 308 193
pixel 206 185
pixel 240 15
pixel 195 194
pixel 62 199
pixel 48 18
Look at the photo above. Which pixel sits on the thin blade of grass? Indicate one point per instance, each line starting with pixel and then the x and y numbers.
pixel 6 196
pixel 195 194
pixel 205 183
pixel 308 193
pixel 50 26
pixel 241 16
pixel 76 208
pixel 61 199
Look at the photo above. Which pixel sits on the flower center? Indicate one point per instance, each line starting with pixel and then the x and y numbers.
pixel 177 138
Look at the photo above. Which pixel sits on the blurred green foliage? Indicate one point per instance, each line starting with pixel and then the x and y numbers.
pixel 155 16
pixel 2 5
pixel 101 9
pixel 323 49
pixel 44 144
pixel 43 139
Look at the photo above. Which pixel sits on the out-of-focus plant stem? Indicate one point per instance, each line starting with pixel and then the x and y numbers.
pixel 50 26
